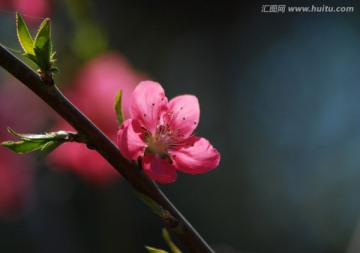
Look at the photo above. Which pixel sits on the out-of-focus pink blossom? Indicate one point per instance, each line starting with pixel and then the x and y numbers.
pixel 33 11
pixel 21 110
pixel 161 133
pixel 16 183
pixel 94 91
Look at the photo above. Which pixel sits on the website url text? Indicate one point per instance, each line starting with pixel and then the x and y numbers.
pixel 313 8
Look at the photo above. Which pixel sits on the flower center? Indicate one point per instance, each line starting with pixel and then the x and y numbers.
pixel 165 137
pixel 161 141
pixel 157 144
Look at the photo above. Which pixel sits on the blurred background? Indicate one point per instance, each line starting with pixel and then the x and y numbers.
pixel 279 96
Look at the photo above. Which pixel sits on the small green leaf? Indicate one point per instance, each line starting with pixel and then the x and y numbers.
pixel 43 57
pixel 48 148
pixel 32 57
pixel 154 250
pixel 43 35
pixel 39 50
pixel 47 142
pixel 38 137
pixel 26 137
pixel 168 240
pixel 43 46
pixel 24 35
pixel 118 108
pixel 22 147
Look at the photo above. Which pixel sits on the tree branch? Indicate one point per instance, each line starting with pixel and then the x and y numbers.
pixel 145 188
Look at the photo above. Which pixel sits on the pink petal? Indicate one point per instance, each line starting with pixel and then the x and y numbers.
pixel 130 139
pixel 159 169
pixel 197 156
pixel 148 103
pixel 185 112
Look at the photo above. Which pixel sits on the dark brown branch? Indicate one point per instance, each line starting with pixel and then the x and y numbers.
pixel 145 187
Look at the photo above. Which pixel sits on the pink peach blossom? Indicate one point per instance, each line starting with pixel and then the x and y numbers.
pixel 34 8
pixel 33 11
pixel 161 133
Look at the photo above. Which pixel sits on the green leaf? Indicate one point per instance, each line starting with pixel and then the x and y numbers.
pixel 154 250
pixel 118 108
pixel 32 57
pixel 24 35
pixel 168 240
pixel 43 35
pixel 43 46
pixel 38 137
pixel 39 50
pixel 48 148
pixel 43 57
pixel 22 147
pixel 46 142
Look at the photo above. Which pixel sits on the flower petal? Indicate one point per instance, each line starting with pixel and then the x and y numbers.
pixel 197 156
pixel 159 169
pixel 148 104
pixel 185 113
pixel 130 138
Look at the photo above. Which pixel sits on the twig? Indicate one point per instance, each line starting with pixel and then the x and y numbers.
pixel 145 187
